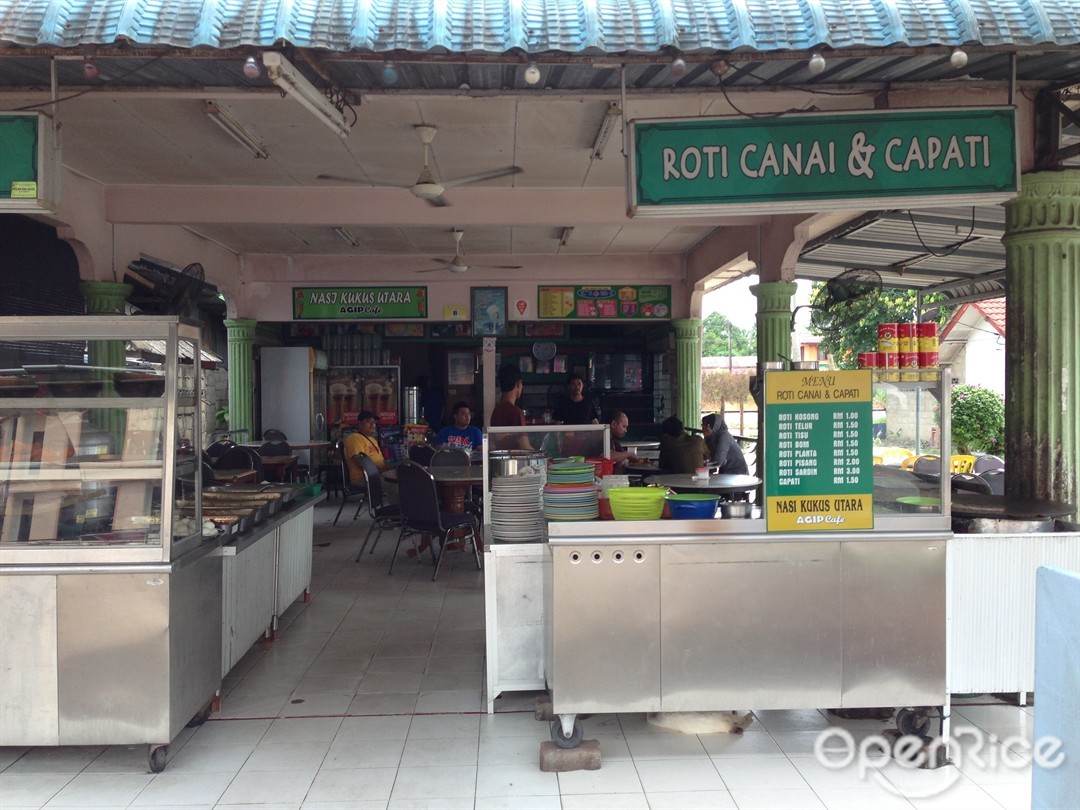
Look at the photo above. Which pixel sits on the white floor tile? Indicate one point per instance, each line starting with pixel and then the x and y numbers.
pixel 513 724
pixel 394 727
pixel 9 754
pixel 274 806
pixel 398 665
pixel 515 780
pixel 383 682
pixel 56 759
pixel 442 803
pixel 662 776
pixel 363 753
pixel 210 758
pixel 518 803
pixel 420 752
pixel 862 798
pixel 242 708
pixel 329 683
pixel 230 732
pixel 316 705
pixel 402 649
pixel 286 756
pixel 605 801
pixel 750 743
pixel 451 681
pixel 386 703
pixel 317 729
pixel 612 777
pixel 372 804
pixel 692 800
pixel 264 787
pixel 446 726
pixel 31 789
pixel 792 719
pixel 796 743
pixel 454 663
pixel 752 773
pixel 613 747
pixel 767 799
pixel 355 784
pixel 506 750
pixel 125 759
pixel 665 746
pixel 850 777
pixel 965 795
pixel 464 700
pixel 435 781
pixel 1010 795
pixel 183 788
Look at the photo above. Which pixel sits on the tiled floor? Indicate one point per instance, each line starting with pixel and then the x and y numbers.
pixel 372 698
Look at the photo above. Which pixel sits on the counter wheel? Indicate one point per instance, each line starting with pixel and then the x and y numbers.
pixel 158 755
pixel 913 721
pixel 202 716
pixel 562 741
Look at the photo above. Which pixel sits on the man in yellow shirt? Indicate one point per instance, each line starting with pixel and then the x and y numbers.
pixel 365 440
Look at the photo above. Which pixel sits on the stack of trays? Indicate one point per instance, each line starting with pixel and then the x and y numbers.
pixel 515 507
pixel 570 493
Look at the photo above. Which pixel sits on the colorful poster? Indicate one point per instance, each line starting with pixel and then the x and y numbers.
pixel 819 436
pixel 359 303
pixel 605 302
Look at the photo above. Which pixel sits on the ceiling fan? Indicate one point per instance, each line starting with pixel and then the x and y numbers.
pixel 458 263
pixel 426 187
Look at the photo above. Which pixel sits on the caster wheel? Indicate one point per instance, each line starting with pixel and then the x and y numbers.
pixel 158 755
pixel 912 721
pixel 575 738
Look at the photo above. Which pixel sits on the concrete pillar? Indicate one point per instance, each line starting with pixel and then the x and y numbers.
pixel 241 375
pixel 107 298
pixel 1042 366
pixel 773 319
pixel 688 370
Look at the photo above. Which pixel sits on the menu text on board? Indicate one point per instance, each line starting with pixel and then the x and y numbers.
pixel 818 425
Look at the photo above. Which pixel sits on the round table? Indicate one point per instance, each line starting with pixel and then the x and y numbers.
pixel 454 484
pixel 1002 507
pixel 721 484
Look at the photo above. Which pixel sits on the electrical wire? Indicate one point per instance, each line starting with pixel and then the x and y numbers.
pixel 93 89
pixel 955 247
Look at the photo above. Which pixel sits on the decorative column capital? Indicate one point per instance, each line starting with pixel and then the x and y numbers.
pixel 240 329
pixel 1048 202
pixel 104 297
pixel 774 295
pixel 687 328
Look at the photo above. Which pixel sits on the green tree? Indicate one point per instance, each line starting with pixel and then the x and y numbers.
pixel 717 330
pixel 720 387
pixel 978 420
pixel 859 332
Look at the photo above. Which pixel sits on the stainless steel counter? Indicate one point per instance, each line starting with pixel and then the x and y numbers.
pixel 718 614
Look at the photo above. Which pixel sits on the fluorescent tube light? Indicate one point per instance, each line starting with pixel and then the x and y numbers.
pixel 238 131
pixel 346 236
pixel 284 75
pixel 607 127
pixel 564 235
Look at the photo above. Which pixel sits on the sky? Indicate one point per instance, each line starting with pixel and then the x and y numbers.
pixel 738 304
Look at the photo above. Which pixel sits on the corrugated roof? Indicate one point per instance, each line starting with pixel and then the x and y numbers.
pixel 993 309
pixel 539 26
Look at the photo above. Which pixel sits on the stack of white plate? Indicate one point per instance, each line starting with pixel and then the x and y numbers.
pixel 515 507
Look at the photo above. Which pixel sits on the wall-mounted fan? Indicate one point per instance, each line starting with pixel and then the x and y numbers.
pixel 842 300
pixel 458 264
pixel 426 187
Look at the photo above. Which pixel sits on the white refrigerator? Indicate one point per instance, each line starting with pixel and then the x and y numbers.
pixel 293 392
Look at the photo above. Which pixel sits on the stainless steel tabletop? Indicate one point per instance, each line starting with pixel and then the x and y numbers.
pixel 714 483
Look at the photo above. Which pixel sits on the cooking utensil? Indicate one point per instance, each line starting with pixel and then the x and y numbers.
pixel 511 462
pixel 736 509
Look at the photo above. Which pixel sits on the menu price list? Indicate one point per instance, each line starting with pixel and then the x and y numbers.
pixel 821 475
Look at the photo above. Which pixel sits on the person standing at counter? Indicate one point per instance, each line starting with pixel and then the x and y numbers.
pixel 575 408
pixel 619 423
pixel 462 434
pixel 724 451
pixel 680 452
pixel 506 413
pixel 365 440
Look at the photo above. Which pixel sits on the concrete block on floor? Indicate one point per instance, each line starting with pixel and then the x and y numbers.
pixel 586 757
pixel 543 708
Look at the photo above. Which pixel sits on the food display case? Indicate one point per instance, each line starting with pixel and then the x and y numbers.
pixel 110 588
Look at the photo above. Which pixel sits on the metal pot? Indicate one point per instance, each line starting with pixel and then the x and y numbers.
pixel 804 365
pixel 736 509
pixel 511 462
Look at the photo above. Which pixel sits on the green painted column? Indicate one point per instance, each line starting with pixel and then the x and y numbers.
pixel 107 298
pixel 773 319
pixel 687 381
pixel 1042 365
pixel 241 375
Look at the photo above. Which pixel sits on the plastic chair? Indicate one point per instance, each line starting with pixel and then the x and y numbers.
pixel 450 457
pixel 215 449
pixel 349 489
pixel 969 482
pixel 277 448
pixel 879 460
pixel 241 458
pixel 895 455
pixel 421 453
pixel 928 465
pixel 986 463
pixel 274 435
pixel 962 463
pixel 995 479
pixel 420 514
pixel 383 515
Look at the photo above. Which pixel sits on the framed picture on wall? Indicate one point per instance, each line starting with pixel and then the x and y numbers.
pixel 460 368
pixel 488 310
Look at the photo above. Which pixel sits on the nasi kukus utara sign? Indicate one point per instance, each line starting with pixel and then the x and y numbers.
pixel 819 437
pixel 359 303
pixel 814 162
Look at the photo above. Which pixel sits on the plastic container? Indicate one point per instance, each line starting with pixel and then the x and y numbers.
pixel 637 503
pixel 691 506
pixel 604 466
pixel 905 338
pixel 886 337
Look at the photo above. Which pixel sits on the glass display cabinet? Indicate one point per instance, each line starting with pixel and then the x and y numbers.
pixel 110 595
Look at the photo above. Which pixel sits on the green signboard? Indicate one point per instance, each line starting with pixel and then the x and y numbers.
pixel 18 155
pixel 598 302
pixel 359 303
pixel 820 475
pixel 808 163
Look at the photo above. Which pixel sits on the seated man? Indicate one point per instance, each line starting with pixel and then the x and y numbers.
pixel 365 440
pixel 462 434
pixel 724 450
pixel 619 425
pixel 680 452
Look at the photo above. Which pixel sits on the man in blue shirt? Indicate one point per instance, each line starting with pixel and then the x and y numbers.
pixel 462 433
